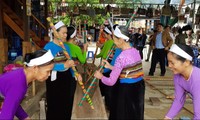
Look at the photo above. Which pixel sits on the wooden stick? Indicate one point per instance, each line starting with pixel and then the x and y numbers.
pixel 85 40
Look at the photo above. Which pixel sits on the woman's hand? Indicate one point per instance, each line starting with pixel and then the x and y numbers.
pixel 98 44
pixel 167 118
pixel 106 64
pixel 79 78
pixel 98 74
pixel 69 63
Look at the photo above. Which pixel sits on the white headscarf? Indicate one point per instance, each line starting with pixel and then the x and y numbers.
pixel 108 31
pixel 119 34
pixel 57 26
pixel 47 57
pixel 177 50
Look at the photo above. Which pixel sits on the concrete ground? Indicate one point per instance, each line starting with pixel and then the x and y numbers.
pixel 157 94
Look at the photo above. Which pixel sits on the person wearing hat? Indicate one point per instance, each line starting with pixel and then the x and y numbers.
pixel 150 48
pixel 107 45
pixel 106 90
pixel 128 99
pixel 180 38
pixel 186 79
pixel 76 51
pixel 78 55
pixel 14 84
pixel 58 85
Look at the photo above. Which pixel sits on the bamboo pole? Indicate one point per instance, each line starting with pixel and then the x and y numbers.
pixel 85 40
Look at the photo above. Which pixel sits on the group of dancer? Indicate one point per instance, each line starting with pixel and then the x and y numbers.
pixel 122 82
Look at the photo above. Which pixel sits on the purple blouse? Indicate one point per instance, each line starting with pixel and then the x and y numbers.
pixel 127 57
pixel 191 86
pixel 13 87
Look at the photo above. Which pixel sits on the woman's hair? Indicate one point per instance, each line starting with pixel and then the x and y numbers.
pixel 29 56
pixel 185 48
pixel 70 31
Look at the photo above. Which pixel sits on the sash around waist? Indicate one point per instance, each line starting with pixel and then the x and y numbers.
pixel 130 80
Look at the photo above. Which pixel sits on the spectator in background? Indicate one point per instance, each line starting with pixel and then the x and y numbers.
pixel 168 29
pixel 180 38
pixel 161 43
pixel 197 38
pixel 190 37
pixel 140 40
pixel 132 36
pixel 150 42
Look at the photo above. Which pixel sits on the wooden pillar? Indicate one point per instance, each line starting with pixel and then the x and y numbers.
pixel 1 20
pixel 26 22
pixel 28 48
pixel 3 53
pixel 3 42
pixel 46 15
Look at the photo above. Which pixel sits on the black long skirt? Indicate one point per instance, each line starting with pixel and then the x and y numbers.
pixel 106 91
pixel 60 96
pixel 128 102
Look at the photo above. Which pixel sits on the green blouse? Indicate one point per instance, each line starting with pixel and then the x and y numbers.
pixel 106 47
pixel 76 52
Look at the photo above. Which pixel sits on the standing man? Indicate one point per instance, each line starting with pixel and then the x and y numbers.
pixel 161 43
pixel 168 29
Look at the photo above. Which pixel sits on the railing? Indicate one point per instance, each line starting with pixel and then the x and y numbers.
pixel 35 24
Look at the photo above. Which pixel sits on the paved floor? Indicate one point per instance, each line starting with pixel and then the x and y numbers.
pixel 156 87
